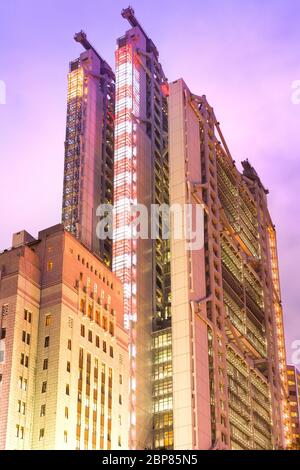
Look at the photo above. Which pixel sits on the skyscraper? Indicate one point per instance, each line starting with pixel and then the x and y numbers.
pixel 141 177
pixel 88 170
pixel 64 362
pixel 229 364
pixel 294 401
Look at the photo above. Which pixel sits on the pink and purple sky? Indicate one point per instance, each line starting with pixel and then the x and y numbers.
pixel 243 55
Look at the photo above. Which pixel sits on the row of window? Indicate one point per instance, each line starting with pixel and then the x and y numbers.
pixel 95 271
pixel 5 310
pixel 97 340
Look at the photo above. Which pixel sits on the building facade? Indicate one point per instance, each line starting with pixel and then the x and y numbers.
pixel 143 265
pixel 89 155
pixel 294 402
pixel 64 362
pixel 229 364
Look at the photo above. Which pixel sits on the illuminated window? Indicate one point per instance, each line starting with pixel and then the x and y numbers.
pixel 90 311
pixel 22 384
pixel 82 306
pixel 50 265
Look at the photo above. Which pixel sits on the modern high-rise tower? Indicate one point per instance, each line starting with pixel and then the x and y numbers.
pixel 88 171
pixel 141 177
pixel 294 401
pixel 229 363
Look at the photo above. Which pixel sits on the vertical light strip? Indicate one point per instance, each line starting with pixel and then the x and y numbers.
pixel 280 336
pixel 125 194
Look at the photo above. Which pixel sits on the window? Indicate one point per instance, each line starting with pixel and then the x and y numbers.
pixel 42 434
pixel 97 341
pixel 65 437
pixel 27 315
pixel 48 320
pixel 45 364
pixel 50 265
pixel 43 411
pixel 44 387
pixel 3 333
pixel 1 356
pixel 25 337
pixel 1 378
pixel 82 331
pixel 120 379
pixel 69 344
pixel 119 441
pixel 68 366
pixel 19 431
pixel 111 351
pixel 47 341
pixel 120 399
pixel 104 346
pixel 21 407
pixel 4 310
pixel 67 389
pixel 90 336
pixel 22 384
pixel 66 412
